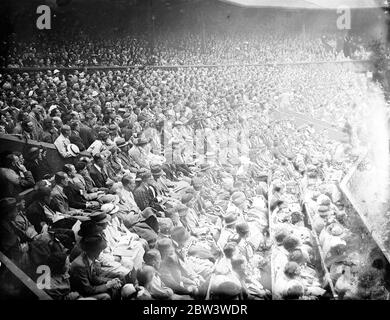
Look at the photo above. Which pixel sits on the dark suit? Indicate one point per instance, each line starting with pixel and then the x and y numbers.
pixel 145 229
pixel 87 135
pixel 39 168
pixel 59 201
pixel 36 214
pixel 12 183
pixel 98 177
pixel 84 277
pixel 143 196
pixel 75 139
pixel 75 198
pixel 49 136
pixel 10 242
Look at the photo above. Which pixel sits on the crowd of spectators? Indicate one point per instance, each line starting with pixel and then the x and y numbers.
pixel 184 48
pixel 198 36
pixel 174 167
pixel 180 183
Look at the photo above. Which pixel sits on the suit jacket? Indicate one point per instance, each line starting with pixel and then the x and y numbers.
pixel 36 214
pixel 89 183
pixel 75 139
pixel 39 168
pixel 10 242
pixel 85 278
pixel 12 183
pixel 87 135
pixel 157 187
pixel 75 198
pixel 59 287
pixel 24 227
pixel 145 229
pixel 59 200
pixel 98 177
pixel 143 196
pixel 49 136
pixel 126 163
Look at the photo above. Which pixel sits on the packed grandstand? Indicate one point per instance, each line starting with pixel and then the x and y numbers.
pixel 188 158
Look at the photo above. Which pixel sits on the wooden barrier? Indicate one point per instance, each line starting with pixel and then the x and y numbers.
pixel 16 143
pixel 25 279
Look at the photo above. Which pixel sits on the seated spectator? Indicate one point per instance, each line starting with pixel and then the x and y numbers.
pixel 58 124
pixel 13 245
pixel 144 278
pixel 90 192
pixel 75 195
pixel 138 153
pixel 22 117
pixel 127 202
pixel 115 168
pixel 161 184
pixel 143 194
pixel 98 171
pixel 173 273
pixel 37 164
pixel 59 201
pixel 199 260
pixel 29 131
pixel 49 133
pixel 156 288
pixel 228 232
pixel 85 275
pixel 224 266
pixel 60 288
pixel 145 225
pixel 6 120
pixel 121 242
pixel 123 146
pixel 110 265
pixel 14 177
pixel 83 178
pixel 62 142
pixel 23 226
pixel 86 133
pixel 252 288
pixel 100 145
pixel 38 212
pixel 75 135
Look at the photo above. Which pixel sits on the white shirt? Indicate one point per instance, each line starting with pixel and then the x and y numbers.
pixel 61 144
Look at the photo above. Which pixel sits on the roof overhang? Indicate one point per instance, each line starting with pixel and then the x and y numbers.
pixel 309 4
